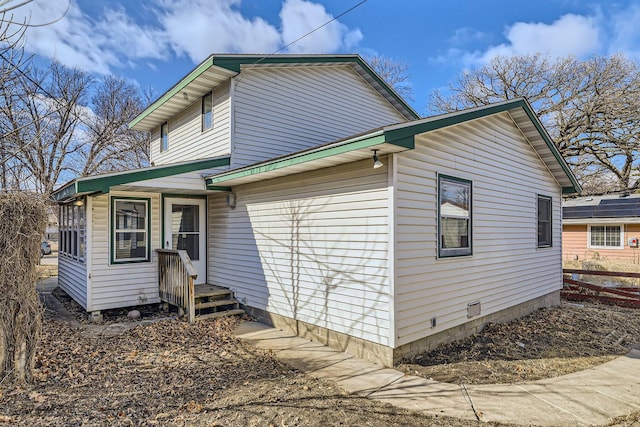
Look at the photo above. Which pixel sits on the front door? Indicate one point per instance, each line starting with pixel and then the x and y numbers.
pixel 185 228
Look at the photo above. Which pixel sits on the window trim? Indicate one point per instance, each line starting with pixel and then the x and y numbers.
pixel 454 252
pixel 72 231
pixel 550 199
pixel 164 137
pixel 590 246
pixel 112 230
pixel 202 115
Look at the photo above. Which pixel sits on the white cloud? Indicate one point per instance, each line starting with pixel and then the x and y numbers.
pixel 299 17
pixel 193 28
pixel 574 35
pixel 200 27
pixel 626 32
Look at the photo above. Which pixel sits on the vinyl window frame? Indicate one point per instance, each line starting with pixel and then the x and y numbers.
pixel 114 230
pixel 207 112
pixel 548 223
pixel 590 244
pixel 164 137
pixel 461 251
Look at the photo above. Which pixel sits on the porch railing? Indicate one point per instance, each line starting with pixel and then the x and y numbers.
pixel 176 276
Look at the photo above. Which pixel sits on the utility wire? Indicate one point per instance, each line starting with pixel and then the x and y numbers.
pixel 314 30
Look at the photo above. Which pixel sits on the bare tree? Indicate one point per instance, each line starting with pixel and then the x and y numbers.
pixel 591 109
pixel 395 73
pixel 113 146
pixel 61 123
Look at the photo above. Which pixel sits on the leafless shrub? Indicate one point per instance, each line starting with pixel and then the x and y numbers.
pixel 22 222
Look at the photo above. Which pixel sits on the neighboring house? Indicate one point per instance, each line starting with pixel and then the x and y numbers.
pixel 306 186
pixel 601 227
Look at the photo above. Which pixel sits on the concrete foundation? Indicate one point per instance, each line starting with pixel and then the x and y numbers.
pixel 388 356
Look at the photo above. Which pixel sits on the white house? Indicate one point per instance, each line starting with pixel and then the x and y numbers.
pixel 311 191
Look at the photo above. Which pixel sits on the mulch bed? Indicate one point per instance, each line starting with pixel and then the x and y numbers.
pixel 547 343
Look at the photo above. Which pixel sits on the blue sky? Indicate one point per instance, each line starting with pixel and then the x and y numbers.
pixel 157 42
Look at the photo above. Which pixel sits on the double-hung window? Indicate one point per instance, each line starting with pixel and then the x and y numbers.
pixel 606 237
pixel 207 111
pixel 544 222
pixel 164 136
pixel 130 230
pixel 454 216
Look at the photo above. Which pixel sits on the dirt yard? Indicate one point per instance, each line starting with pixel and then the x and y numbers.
pixel 173 373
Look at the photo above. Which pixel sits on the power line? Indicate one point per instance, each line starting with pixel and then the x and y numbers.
pixel 314 30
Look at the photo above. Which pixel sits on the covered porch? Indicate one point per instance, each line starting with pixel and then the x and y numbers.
pixel 140 237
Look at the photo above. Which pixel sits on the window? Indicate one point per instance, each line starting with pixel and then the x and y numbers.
pixel 207 111
pixel 544 222
pixel 606 236
pixel 72 230
pixel 130 230
pixel 164 136
pixel 454 216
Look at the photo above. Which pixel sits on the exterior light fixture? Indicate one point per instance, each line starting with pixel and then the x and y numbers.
pixel 78 202
pixel 231 200
pixel 185 95
pixel 376 163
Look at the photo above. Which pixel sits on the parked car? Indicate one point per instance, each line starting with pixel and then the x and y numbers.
pixel 45 249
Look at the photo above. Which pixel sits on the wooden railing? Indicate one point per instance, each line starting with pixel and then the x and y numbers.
pixel 176 275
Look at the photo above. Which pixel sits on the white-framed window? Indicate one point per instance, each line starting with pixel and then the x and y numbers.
pixel 130 233
pixel 164 137
pixel 207 111
pixel 454 216
pixel 606 236
pixel 72 229
pixel 545 230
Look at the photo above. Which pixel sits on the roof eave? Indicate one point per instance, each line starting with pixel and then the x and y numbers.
pixel 102 183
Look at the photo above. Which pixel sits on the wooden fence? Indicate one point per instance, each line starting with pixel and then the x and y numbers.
pixel 580 290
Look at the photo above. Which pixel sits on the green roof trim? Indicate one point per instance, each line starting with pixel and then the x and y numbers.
pixel 102 183
pixel 234 63
pixel 179 87
pixel 410 130
pixel 363 141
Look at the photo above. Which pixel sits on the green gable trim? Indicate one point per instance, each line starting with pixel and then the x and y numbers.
pixel 235 63
pixel 367 141
pixel 102 184
pixel 179 87
pixel 536 122
pixel 411 130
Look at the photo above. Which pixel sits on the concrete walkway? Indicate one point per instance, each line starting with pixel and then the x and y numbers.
pixel 589 397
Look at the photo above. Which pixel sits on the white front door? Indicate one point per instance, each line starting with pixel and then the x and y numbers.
pixel 185 228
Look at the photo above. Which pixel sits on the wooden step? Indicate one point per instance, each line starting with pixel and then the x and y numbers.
pixel 217 303
pixel 204 292
pixel 221 314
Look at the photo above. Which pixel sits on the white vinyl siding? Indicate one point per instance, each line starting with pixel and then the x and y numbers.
pixel 121 285
pixel 311 246
pixel 72 278
pixel 281 110
pixel 506 267
pixel 187 141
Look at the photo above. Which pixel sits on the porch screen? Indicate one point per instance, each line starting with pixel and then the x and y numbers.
pixel 131 230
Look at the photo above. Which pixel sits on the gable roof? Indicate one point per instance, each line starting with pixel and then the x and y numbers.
pixel 401 137
pixel 614 207
pixel 218 68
